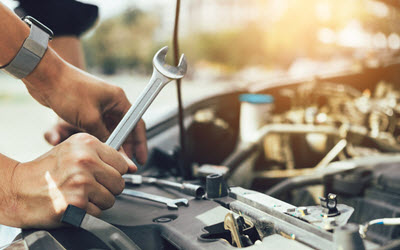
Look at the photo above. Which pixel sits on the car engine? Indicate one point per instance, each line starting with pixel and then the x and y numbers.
pixel 291 164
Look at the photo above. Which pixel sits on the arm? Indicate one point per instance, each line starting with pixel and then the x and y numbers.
pixel 11 35
pixel 81 171
pixel 7 200
pixel 79 98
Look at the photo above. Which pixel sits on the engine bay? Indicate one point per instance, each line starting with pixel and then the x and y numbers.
pixel 318 169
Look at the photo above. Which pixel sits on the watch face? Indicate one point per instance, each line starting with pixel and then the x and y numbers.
pixel 30 20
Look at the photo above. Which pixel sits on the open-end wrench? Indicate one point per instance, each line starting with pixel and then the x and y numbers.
pixel 162 74
pixel 186 188
pixel 171 203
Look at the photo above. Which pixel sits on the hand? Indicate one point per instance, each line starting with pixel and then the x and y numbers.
pixel 81 171
pixel 86 102
pixel 60 131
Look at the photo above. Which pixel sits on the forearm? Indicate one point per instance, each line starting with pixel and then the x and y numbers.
pixel 7 201
pixel 44 77
pixel 12 34
pixel 79 98
pixel 70 49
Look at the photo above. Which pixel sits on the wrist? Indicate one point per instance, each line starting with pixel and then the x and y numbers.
pixel 8 203
pixel 32 50
pixel 47 77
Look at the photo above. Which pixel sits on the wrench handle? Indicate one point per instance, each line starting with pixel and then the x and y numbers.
pixel 146 196
pixel 186 188
pixel 136 111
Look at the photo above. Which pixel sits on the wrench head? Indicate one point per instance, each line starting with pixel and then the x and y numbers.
pixel 166 70
pixel 174 203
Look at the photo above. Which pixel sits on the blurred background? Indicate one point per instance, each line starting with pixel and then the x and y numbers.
pixel 227 42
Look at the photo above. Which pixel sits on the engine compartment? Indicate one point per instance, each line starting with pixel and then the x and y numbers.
pixel 326 139
pixel 329 135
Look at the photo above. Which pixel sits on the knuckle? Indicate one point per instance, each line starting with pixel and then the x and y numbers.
pixel 81 137
pixel 118 187
pixel 84 160
pixel 79 201
pixel 110 202
pixel 84 139
pixel 96 213
pixel 121 166
pixel 121 186
pixel 81 180
pixel 119 92
pixel 125 169
pixel 89 140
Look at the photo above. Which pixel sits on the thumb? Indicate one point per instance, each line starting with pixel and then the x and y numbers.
pixel 52 136
pixel 102 133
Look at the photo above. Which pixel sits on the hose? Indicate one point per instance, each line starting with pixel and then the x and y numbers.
pixel 182 163
pixel 385 221
pixel 292 183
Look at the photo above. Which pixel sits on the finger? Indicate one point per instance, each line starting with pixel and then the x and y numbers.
pixel 60 132
pixel 141 153
pixel 136 145
pixel 131 165
pixel 52 137
pixel 109 178
pixel 112 157
pixel 141 142
pixel 66 129
pixel 132 168
pixel 100 131
pixel 96 127
pixel 101 197
pixel 92 209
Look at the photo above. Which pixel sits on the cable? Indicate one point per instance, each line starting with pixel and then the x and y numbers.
pixel 292 183
pixel 182 164
pixel 385 221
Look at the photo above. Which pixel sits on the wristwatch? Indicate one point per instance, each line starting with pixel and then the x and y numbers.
pixel 32 51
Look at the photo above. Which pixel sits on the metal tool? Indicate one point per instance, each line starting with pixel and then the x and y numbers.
pixel 110 235
pixel 230 224
pixel 162 74
pixel 186 188
pixel 171 203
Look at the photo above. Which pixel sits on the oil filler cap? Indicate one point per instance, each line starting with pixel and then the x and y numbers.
pixel 216 186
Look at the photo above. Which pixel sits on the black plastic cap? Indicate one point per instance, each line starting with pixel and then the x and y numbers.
pixel 216 186
pixel 73 216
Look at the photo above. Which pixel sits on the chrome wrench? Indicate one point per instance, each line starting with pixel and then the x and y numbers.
pixel 186 188
pixel 171 203
pixel 162 74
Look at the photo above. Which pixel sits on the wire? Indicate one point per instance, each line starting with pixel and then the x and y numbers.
pixel 182 164
pixel 385 221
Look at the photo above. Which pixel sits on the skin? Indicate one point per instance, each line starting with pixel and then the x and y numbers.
pixel 82 170
pixel 70 49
